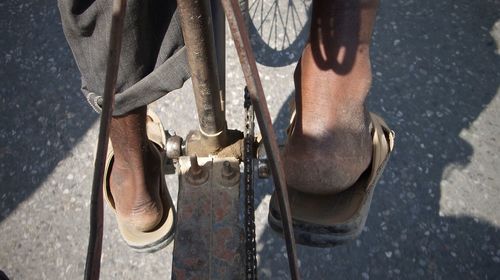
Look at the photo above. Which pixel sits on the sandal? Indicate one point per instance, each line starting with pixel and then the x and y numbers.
pixel 163 233
pixel 329 220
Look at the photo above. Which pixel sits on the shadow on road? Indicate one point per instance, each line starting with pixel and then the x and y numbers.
pixel 434 75
pixel 43 114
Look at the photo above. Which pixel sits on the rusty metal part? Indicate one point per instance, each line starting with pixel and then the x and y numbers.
pixel 93 261
pixel 197 174
pixel 227 171
pixel 196 145
pixel 249 67
pixel 263 162
pixel 263 169
pixel 229 174
pixel 209 233
pixel 232 150
pixel 196 22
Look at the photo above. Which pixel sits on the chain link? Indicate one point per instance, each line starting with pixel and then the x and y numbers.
pixel 250 248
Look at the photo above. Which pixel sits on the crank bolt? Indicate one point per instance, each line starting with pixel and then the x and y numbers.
pixel 227 170
pixel 195 167
pixel 229 175
pixel 196 175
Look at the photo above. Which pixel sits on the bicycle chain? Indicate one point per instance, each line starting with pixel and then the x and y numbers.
pixel 250 247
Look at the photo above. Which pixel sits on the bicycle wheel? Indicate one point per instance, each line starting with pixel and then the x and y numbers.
pixel 278 29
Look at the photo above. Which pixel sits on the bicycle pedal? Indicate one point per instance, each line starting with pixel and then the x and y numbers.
pixel 208 241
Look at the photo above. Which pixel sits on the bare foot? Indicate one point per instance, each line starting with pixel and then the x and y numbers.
pixel 135 178
pixel 331 144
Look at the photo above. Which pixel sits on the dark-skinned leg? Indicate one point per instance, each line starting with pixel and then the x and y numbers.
pixel 136 171
pixel 331 142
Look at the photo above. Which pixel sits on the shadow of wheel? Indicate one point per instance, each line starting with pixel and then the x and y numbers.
pixel 278 29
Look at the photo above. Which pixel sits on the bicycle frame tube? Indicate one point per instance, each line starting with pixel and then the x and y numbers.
pixel 219 26
pixel 93 261
pixel 197 29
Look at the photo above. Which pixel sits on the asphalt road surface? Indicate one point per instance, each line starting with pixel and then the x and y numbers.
pixel 436 210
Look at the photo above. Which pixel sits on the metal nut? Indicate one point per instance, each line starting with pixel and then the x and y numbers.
pixel 229 175
pixel 227 170
pixel 263 169
pixel 173 147
pixel 263 162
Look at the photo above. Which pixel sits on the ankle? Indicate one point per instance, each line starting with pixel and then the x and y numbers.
pixel 326 100
pixel 128 136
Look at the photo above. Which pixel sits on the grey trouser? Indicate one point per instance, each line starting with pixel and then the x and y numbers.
pixel 153 60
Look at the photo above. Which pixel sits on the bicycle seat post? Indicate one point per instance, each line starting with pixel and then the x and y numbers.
pixel 197 28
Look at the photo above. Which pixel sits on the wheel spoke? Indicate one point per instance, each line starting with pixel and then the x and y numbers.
pixel 273 22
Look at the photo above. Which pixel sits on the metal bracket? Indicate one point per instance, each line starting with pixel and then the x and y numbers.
pixel 208 241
